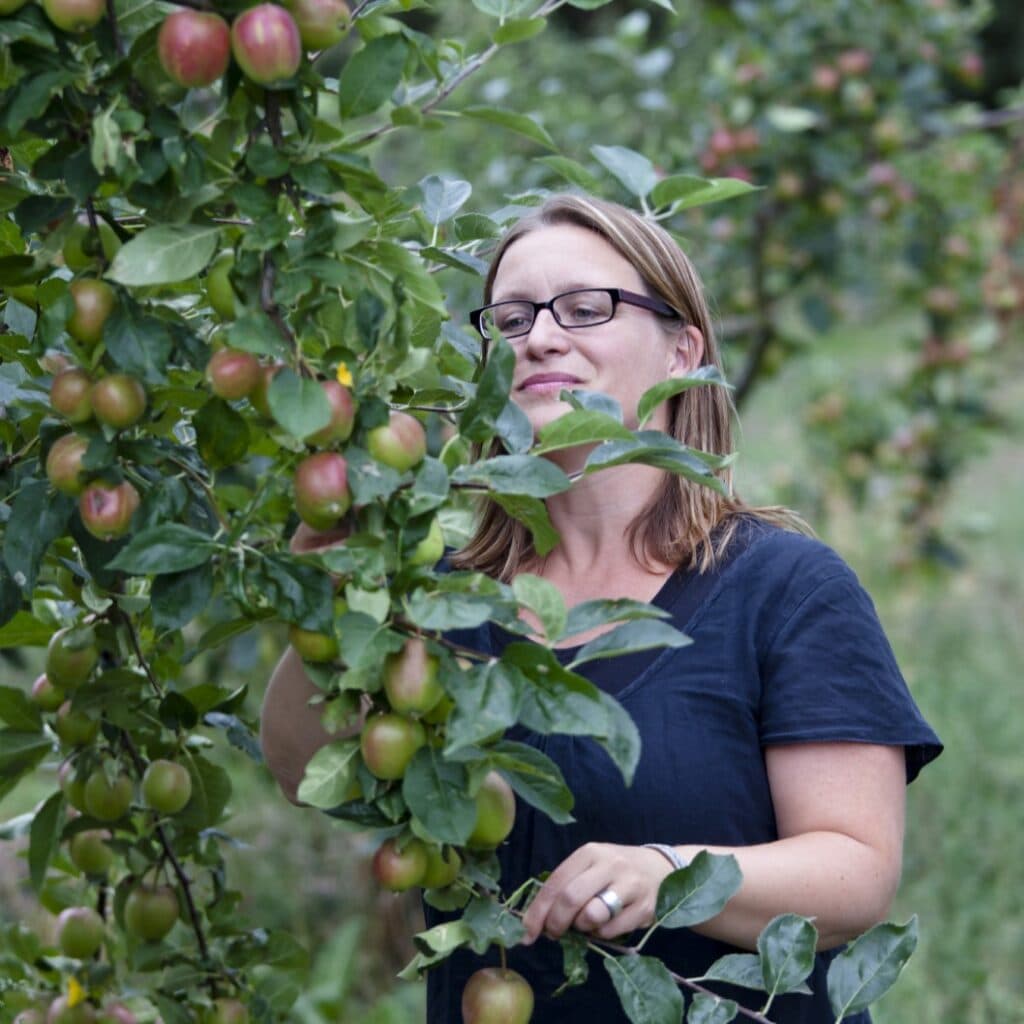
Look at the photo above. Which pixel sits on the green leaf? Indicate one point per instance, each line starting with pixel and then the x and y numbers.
pixel 867 969
pixel 38 517
pixel 706 1008
pixel 533 514
pixel 21 751
pixel 536 778
pixel 435 945
pixel 24 630
pixel 486 702
pixel 699 891
pixel 519 123
pixel 443 197
pixel 521 29
pixel 503 9
pixel 621 739
pixel 515 474
pixel 545 600
pixel 787 946
pixel 573 172
pixel 370 75
pixel 178 597
pixel 633 169
pixel 666 389
pixel 638 635
pixel 492 923
pixel 138 343
pixel 169 547
pixel 653 448
pixel 436 791
pixel 601 612
pixel 329 774
pixel 222 433
pixel 589 5
pixel 743 969
pixel 255 332
pixel 165 254
pixel 17 711
pixel 581 426
pixel 211 790
pixel 646 990
pixel 683 191
pixel 43 838
pixel 30 98
pixel 299 404
pixel 399 263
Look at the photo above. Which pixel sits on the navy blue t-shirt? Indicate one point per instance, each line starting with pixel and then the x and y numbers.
pixel 787 648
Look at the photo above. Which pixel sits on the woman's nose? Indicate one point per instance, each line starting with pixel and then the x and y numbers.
pixel 545 335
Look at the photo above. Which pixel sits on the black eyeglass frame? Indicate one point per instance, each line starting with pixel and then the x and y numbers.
pixel 617 295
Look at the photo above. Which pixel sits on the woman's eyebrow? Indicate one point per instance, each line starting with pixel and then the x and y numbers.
pixel 518 295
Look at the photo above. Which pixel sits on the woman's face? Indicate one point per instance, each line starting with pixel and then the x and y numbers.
pixel 622 358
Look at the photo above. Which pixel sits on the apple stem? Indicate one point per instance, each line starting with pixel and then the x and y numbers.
pixel 501 954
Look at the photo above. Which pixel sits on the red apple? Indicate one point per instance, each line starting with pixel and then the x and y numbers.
pixel 388 742
pixel 94 301
pixel 194 47
pixel 322 496
pixel 74 15
pixel 266 43
pixel 69 395
pixel 400 867
pixel 400 443
pixel 107 511
pixel 495 812
pixel 118 400
pixel 321 23
pixel 64 467
pixel 150 911
pixel 343 413
pixel 233 374
pixel 79 932
pixel 166 786
pixel 825 79
pixel 497 995
pixel 410 678
pixel 71 655
pixel 854 62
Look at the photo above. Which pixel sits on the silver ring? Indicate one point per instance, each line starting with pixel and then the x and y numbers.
pixel 611 899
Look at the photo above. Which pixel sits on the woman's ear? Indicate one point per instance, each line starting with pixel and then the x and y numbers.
pixel 687 351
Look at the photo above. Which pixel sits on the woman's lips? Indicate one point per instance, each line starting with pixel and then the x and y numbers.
pixel 540 382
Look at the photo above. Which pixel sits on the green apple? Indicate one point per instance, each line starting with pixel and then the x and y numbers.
pixel 218 286
pixel 83 246
pixel 311 645
pixel 431 548
pixel 150 911
pixel 410 678
pixel 495 813
pixel 388 743
pixel 442 868
pixel 400 866
pixel 74 728
pixel 400 443
pixel 93 302
pixel 79 932
pixel 45 695
pixel 497 995
pixel 71 656
pixel 108 799
pixel 166 786
pixel 89 852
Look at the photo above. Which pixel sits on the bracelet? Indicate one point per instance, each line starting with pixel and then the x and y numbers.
pixel 670 853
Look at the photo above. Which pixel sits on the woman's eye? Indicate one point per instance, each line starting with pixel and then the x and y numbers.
pixel 512 322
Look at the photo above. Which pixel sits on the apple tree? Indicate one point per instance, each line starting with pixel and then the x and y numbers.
pixel 221 321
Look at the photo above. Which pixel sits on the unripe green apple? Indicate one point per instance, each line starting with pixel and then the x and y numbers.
pixel 388 743
pixel 89 852
pixel 69 394
pixel 343 414
pixel 166 786
pixel 150 911
pixel 431 548
pixel 194 47
pixel 94 301
pixel 45 695
pixel 107 511
pixel 71 785
pixel 83 246
pixel 266 44
pixel 410 678
pixel 64 464
pixel 400 443
pixel 75 729
pixel 108 799
pixel 233 374
pixel 497 995
pixel 400 868
pixel 441 870
pixel 9 7
pixel 495 813
pixel 226 1010
pixel 322 496
pixel 79 932
pixel 62 1012
pixel 74 15
pixel 71 655
pixel 119 400
pixel 321 23
pixel 313 646
pixel 219 292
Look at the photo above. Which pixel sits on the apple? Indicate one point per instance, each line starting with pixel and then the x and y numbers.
pixel 83 246
pixel 79 932
pixel 69 395
pixel 495 813
pixel 166 786
pixel 233 374
pixel 94 301
pixel 322 496
pixel 825 79
pixel 89 851
pixel 74 729
pixel 108 799
pixel 400 443
pixel 116 1013
pixel 854 62
pixel 9 7
pixel 313 646
pixel 429 550
pixel 62 1012
pixel 258 396
pixel 388 742
pixel 219 292
pixel 64 464
pixel 942 300
pixel 107 511
pixel 33 1015
pixel 343 415
pixel 266 43
pixel 45 695
pixel 400 867
pixel 71 785
pixel 74 15
pixel 410 678
pixel 497 995
pixel 118 400
pixel 71 655
pixel 321 23
pixel 789 185
pixel 227 1011
pixel 150 911
pixel 194 47
pixel 441 869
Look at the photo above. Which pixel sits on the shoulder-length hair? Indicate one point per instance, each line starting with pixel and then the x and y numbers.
pixel 684 523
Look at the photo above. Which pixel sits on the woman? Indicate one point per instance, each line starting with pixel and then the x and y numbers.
pixel 785 735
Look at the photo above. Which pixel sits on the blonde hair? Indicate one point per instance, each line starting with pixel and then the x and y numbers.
pixel 684 523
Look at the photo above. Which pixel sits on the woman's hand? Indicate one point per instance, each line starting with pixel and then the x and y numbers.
pixel 569 898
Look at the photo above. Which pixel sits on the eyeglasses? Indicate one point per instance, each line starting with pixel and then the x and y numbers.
pixel 583 307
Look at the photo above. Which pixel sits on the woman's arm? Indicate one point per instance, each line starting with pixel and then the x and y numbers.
pixel 839 808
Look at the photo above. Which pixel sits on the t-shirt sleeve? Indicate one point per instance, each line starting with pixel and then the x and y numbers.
pixel 829 673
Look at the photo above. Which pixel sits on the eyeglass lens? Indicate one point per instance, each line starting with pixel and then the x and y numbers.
pixel 575 309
